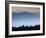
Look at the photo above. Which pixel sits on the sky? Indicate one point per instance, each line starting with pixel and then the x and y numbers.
pixel 20 19
pixel 25 18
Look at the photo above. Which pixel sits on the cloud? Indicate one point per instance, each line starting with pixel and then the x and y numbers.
pixel 25 9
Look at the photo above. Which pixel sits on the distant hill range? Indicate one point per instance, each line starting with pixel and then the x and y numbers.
pixel 24 28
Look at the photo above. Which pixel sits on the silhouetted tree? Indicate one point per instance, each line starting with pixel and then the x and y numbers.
pixel 36 27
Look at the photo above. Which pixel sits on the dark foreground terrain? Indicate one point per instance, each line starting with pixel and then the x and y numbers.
pixel 23 28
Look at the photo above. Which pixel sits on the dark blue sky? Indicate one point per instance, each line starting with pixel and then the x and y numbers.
pixel 25 18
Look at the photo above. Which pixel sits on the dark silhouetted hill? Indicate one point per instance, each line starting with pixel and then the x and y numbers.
pixel 24 28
